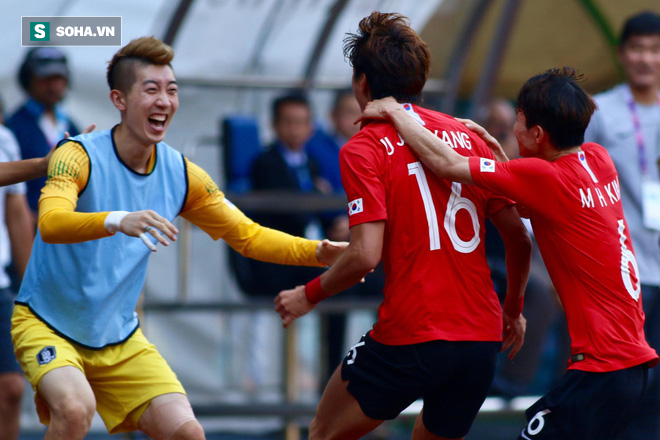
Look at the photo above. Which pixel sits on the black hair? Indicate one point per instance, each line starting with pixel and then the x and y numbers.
pixel 554 101
pixel 644 23
pixel 34 59
pixel 394 59
pixel 143 51
pixel 293 97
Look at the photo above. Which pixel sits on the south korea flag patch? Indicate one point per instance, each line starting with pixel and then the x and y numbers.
pixel 486 165
pixel 46 355
pixel 411 111
pixel 355 207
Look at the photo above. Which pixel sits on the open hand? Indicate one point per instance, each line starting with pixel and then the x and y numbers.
pixel 490 141
pixel 378 109
pixel 140 223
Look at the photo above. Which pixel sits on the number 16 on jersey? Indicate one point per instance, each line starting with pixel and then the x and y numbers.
pixel 454 205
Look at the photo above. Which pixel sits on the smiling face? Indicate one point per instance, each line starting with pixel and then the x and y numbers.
pixel 150 104
pixel 640 57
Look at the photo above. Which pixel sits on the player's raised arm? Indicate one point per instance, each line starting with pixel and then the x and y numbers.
pixel 432 151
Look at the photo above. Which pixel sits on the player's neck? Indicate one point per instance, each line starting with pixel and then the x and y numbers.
pixel 644 95
pixel 132 152
pixel 553 153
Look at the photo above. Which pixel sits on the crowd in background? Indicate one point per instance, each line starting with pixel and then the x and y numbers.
pixel 303 158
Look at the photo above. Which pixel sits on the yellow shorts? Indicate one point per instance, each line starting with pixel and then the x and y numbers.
pixel 124 378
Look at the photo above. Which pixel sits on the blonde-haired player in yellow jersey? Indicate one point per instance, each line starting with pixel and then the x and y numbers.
pixel 109 200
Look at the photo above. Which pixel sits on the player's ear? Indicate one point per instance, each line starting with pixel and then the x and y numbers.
pixel 118 98
pixel 539 133
pixel 364 85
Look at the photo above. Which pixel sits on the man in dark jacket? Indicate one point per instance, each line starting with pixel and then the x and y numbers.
pixel 41 121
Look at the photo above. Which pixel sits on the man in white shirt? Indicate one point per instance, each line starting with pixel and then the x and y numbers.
pixel 16 236
pixel 627 123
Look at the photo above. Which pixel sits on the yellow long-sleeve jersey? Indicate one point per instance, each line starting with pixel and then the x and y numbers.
pixel 206 207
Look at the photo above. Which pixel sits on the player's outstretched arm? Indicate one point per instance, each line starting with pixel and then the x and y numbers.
pixel 431 150
pixel 207 207
pixel 23 170
pixel 28 169
pixel 360 257
pixel 60 223
pixel 490 141
pixel 518 250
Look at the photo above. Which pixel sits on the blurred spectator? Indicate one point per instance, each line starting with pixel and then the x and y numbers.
pixel 286 167
pixel 41 121
pixel 324 147
pixel 16 236
pixel 304 160
pixel 283 168
pixel 516 377
pixel 499 123
pixel 627 123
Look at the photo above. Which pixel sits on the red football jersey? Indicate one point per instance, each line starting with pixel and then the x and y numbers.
pixel 437 283
pixel 575 210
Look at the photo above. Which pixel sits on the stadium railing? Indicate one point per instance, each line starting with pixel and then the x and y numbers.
pixel 291 411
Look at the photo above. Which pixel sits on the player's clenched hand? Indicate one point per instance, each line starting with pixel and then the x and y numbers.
pixel 292 304
pixel 378 109
pixel 140 223
pixel 491 142
pixel 327 252
pixel 514 334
